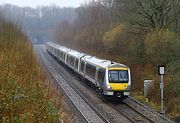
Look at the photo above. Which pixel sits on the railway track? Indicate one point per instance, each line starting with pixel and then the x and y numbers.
pixel 124 108
pixel 142 118
pixel 149 111
pixel 88 111
pixel 130 113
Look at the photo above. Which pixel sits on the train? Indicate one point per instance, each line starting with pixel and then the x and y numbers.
pixel 111 79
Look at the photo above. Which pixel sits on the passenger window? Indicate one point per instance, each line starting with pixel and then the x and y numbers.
pixel 76 64
pixel 101 74
pixel 82 67
pixel 90 71
pixel 56 52
pixel 63 56
pixel 59 52
pixel 67 59
pixel 71 61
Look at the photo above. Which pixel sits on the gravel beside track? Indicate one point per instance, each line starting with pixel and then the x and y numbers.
pixel 148 112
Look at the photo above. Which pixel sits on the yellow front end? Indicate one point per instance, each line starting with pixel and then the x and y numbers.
pixel 118 86
pixel 118 82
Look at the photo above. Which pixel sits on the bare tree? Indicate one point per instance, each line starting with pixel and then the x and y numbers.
pixel 158 13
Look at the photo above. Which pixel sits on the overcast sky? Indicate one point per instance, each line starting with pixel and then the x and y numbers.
pixel 34 3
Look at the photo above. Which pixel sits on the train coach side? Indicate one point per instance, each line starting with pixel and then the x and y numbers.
pixel 60 52
pixel 110 78
pixel 94 70
pixel 73 60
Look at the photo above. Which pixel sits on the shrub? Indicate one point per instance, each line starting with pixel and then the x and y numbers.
pixel 115 38
pixel 162 46
pixel 23 97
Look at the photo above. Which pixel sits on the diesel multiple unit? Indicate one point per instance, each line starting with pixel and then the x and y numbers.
pixel 109 78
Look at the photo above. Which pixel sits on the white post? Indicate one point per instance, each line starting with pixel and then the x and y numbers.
pixel 162 97
pixel 161 71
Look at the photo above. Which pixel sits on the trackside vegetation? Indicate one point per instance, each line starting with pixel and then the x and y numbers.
pixel 139 33
pixel 23 97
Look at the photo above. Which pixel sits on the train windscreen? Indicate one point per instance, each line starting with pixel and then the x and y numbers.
pixel 118 76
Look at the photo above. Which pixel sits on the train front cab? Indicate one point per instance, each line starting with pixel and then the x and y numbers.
pixel 118 82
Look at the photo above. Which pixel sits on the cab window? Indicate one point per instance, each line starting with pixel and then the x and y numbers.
pixel 118 76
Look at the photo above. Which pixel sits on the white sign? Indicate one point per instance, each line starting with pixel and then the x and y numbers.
pixel 161 69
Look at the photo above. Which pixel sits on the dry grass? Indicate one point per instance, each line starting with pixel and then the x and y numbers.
pixel 23 96
pixel 56 96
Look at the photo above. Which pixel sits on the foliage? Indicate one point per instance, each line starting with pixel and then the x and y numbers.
pixel 114 38
pixel 173 107
pixel 22 95
pixel 173 71
pixel 158 13
pixel 162 46
pixel 127 41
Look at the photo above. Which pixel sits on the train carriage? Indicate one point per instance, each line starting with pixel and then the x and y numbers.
pixel 58 51
pixel 110 77
pixel 73 59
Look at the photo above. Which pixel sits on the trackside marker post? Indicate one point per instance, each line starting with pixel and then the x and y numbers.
pixel 161 72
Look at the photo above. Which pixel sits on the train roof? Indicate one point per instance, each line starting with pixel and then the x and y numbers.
pixel 103 63
pixel 62 48
pixel 76 54
pixel 53 45
pixel 71 52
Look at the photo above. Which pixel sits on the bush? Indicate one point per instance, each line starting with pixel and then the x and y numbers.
pixel 23 97
pixel 115 39
pixel 173 85
pixel 162 46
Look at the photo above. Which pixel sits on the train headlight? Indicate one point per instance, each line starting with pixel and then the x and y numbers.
pixel 109 87
pixel 128 87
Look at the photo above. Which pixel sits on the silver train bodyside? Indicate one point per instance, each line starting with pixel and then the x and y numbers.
pixel 110 78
